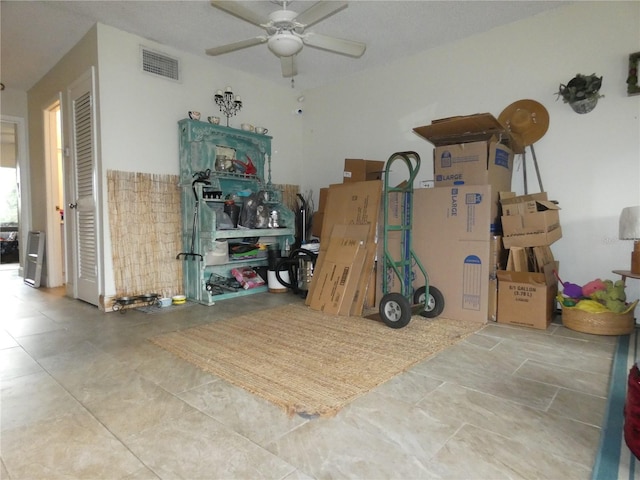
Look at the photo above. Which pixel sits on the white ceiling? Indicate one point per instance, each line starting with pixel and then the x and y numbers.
pixel 36 34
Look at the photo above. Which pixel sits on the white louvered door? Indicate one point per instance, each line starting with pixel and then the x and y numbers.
pixel 84 209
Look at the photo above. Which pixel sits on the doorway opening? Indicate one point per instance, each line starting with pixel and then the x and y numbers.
pixel 9 198
pixel 55 245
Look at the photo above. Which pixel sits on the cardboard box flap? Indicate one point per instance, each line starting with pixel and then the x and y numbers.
pixel 546 277
pixel 526 204
pixel 550 270
pixel 464 129
pixel 533 278
pixel 543 205
pixel 506 195
pixel 510 198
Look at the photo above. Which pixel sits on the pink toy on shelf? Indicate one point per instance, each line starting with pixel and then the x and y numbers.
pixel 247 277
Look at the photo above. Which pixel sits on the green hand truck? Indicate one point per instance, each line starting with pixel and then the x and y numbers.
pixel 396 309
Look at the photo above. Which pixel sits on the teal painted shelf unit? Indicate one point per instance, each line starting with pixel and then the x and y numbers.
pixel 200 144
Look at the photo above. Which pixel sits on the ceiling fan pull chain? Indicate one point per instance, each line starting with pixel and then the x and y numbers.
pixel 293 84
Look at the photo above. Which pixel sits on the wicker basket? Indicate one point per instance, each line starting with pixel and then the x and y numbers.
pixel 602 323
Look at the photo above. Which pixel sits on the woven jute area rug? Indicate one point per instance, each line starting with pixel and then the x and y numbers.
pixel 308 362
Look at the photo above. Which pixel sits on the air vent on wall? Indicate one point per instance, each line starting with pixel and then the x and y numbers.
pixel 160 64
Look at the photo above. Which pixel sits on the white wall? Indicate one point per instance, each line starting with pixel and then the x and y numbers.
pixel 13 102
pixel 589 163
pixel 139 113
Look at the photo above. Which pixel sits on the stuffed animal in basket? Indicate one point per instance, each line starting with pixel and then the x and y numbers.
pixel 613 297
pixel 588 289
pixel 570 290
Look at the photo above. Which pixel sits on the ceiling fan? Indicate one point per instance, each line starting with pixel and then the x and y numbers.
pixel 285 32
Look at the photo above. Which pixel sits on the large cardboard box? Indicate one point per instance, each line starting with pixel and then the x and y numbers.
pixel 513 204
pixel 529 220
pixel 360 170
pixel 532 229
pixel 452 240
pixel 472 150
pixel 527 298
pixel 476 163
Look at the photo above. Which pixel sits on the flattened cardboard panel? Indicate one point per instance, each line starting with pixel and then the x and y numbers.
pixel 350 282
pixel 331 287
pixel 328 258
pixel 352 204
pixel 543 255
pixel 469 128
pixel 518 260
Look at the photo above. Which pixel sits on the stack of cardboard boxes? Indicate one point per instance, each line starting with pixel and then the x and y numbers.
pixel 457 231
pixel 527 287
pixel 489 262
pixel 456 225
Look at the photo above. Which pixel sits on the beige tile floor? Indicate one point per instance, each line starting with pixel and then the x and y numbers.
pixel 85 395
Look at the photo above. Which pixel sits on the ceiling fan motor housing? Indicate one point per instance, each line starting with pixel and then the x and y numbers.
pixel 285 44
pixel 283 19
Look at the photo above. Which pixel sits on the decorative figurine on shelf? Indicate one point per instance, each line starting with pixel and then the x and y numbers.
pixel 228 103
pixel 247 168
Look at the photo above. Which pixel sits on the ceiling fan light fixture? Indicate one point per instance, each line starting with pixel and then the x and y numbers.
pixel 285 44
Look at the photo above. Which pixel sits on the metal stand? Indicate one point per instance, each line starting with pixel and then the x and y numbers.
pixel 524 169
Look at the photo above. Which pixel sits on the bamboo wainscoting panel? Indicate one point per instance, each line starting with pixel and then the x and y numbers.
pixel 145 222
pixel 289 195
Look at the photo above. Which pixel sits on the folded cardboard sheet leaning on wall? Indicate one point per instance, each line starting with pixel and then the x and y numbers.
pixel 345 264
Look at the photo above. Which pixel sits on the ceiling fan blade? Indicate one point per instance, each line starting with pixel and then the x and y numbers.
pixel 232 47
pixel 333 44
pixel 237 10
pixel 289 68
pixel 320 11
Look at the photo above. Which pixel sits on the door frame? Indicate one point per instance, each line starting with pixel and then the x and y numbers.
pixel 24 187
pixel 55 186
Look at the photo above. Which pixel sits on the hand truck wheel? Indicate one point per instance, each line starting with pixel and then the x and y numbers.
pixel 433 303
pixel 395 310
